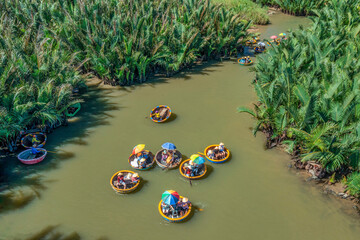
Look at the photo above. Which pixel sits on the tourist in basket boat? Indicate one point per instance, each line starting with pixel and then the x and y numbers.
pixel 219 152
pixel 171 158
pixel 121 180
pixel 164 155
pixel 211 154
pixel 176 210
pixel 35 152
pixel 35 142
pixel 135 178
pixel 156 115
pixel 183 206
pixel 194 168
pixel 262 45
pixel 143 163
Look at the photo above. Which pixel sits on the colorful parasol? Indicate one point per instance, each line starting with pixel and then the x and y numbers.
pixel 273 37
pixel 138 148
pixel 168 146
pixel 194 156
pixel 282 34
pixel 170 197
pixel 199 160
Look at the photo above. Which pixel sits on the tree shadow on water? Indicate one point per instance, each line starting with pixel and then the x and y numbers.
pixel 188 73
pixel 20 183
pixel 52 233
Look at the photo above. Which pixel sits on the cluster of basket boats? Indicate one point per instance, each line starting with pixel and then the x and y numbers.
pixel 260 48
pixel 126 181
pixel 37 140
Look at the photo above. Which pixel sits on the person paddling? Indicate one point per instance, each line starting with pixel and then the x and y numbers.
pixel 35 152
pixel 35 142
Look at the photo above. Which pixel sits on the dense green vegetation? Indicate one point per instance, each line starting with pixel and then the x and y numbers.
pixel 247 9
pixel 47 46
pixel 309 91
pixel 296 7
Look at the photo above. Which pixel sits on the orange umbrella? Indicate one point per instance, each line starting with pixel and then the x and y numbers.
pixel 138 148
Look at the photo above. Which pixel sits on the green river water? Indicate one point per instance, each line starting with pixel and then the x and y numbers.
pixel 254 196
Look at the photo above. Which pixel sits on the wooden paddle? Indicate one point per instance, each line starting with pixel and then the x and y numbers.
pixel 199 209
pixel 48 151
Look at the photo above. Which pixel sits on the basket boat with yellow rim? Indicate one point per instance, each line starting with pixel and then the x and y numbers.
pixel 244 63
pixel 179 219
pixel 26 141
pixel 164 112
pixel 216 160
pixel 122 190
pixel 149 161
pixel 162 164
pixel 182 171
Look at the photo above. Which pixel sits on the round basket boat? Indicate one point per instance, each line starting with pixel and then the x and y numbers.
pixel 163 164
pixel 164 112
pixel 26 141
pixel 244 63
pixel 122 190
pixel 27 157
pixel 149 160
pixel 216 160
pixel 73 110
pixel 258 50
pixel 178 219
pixel 182 171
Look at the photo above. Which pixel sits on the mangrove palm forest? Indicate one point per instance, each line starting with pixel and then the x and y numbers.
pixel 158 119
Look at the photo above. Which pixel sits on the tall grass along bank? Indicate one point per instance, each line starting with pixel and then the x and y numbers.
pixel 46 47
pixel 308 90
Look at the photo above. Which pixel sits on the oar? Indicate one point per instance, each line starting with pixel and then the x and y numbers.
pixel 47 151
pixel 199 209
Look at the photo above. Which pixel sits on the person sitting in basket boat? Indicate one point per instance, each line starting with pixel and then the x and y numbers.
pixel 171 158
pixel 164 155
pixel 35 152
pixel 183 206
pixel 165 208
pixel 156 115
pixel 135 178
pixel 262 45
pixel 220 152
pixel 187 169
pixel 35 142
pixel 211 154
pixel 194 168
pixel 120 180
pixel 142 163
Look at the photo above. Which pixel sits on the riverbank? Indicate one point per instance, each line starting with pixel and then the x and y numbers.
pixel 311 115
pixel 252 191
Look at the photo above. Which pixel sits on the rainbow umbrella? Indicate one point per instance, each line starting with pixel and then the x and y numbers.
pixel 273 37
pixel 194 156
pixel 199 160
pixel 138 148
pixel 282 34
pixel 170 197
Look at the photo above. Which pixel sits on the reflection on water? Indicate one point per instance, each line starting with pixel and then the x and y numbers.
pixel 251 197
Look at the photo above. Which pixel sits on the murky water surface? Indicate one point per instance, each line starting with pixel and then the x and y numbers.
pixel 253 196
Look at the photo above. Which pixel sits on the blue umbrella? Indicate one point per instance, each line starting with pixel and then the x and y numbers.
pixel 168 146
pixel 170 200
pixel 199 160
